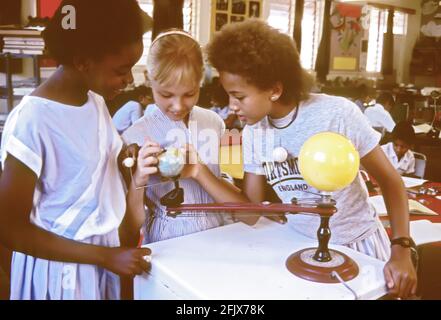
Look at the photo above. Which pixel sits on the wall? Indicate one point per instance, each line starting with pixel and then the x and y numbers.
pixel 205 19
pixel 403 46
pixel 413 33
pixel 204 22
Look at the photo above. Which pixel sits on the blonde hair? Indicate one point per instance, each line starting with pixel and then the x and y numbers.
pixel 175 57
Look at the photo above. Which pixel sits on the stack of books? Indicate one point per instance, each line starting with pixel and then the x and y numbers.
pixel 18 40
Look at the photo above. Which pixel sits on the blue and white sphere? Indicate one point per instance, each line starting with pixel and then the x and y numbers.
pixel 171 162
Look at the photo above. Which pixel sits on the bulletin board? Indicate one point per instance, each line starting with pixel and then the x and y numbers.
pixel 47 8
pixel 431 19
pixel 346 35
pixel 230 11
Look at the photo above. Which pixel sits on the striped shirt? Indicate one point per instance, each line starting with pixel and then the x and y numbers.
pixel 204 131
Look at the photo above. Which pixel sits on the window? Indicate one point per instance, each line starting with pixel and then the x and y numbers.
pixel 281 15
pixel 400 23
pixel 375 42
pixel 377 28
pixel 147 6
pixel 190 23
pixel 312 25
pixel 191 16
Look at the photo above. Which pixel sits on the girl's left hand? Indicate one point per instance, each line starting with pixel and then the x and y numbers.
pixel 192 162
pixel 400 275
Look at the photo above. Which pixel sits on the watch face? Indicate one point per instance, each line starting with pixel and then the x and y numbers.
pixel 404 242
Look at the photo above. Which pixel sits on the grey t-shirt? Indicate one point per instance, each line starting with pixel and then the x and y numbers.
pixel 355 219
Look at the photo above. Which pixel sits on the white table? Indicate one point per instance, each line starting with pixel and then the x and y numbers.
pixel 241 262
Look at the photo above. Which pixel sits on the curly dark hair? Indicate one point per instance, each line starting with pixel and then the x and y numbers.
pixel 386 98
pixel 405 132
pixel 263 56
pixel 101 27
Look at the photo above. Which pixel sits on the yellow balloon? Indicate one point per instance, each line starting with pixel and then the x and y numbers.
pixel 328 161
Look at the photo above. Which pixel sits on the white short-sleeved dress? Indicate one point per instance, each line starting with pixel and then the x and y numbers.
pixel 79 193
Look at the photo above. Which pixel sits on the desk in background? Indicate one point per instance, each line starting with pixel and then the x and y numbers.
pixel 231 160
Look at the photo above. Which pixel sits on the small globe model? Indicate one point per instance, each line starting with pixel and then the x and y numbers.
pixel 171 162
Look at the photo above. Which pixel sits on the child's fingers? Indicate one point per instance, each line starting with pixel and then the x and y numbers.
pixel 395 291
pixel 145 266
pixel 149 145
pixel 148 166
pixel 408 283
pixel 148 170
pixel 399 286
pixel 149 151
pixel 405 287
pixel 137 270
pixel 389 279
pixel 149 161
pixel 144 251
pixel 413 290
pixel 414 287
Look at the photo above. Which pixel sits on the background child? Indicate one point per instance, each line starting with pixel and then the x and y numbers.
pixel 61 192
pixel 134 109
pixel 175 69
pixel 379 115
pixel 365 97
pixel 260 69
pixel 398 151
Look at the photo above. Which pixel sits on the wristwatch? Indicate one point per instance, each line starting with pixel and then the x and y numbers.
pixel 407 242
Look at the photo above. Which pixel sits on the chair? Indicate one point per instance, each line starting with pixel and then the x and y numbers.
pixel 420 164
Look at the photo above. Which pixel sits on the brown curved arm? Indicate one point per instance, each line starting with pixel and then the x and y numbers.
pixel 249 208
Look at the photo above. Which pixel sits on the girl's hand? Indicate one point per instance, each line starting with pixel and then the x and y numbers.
pixel 400 274
pixel 146 163
pixel 126 261
pixel 193 164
